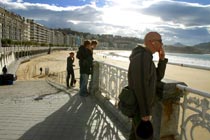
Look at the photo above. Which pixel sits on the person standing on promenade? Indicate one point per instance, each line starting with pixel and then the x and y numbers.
pixel 92 47
pixel 70 70
pixel 143 76
pixel 94 44
pixel 85 63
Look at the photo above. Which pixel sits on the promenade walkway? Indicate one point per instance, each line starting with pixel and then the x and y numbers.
pixel 36 110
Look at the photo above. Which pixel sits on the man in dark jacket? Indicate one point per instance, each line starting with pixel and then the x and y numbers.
pixel 143 76
pixel 70 70
pixel 85 62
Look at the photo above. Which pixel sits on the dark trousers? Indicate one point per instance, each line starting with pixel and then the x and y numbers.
pixel 70 73
pixel 83 84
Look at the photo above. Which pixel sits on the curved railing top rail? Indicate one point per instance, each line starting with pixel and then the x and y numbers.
pixel 118 67
pixel 189 89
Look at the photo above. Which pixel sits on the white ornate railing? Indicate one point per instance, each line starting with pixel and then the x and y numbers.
pixel 58 77
pixel 111 80
pixel 195 106
pixel 24 48
pixel 195 115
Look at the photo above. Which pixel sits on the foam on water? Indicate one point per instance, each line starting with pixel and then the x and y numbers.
pixel 191 60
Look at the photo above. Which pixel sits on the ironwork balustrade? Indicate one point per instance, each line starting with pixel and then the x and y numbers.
pixel 196 114
pixel 195 104
pixel 108 80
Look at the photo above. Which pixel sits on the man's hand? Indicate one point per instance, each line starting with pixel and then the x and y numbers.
pixel 161 53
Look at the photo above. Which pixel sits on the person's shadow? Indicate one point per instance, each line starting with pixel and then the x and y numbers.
pixel 81 118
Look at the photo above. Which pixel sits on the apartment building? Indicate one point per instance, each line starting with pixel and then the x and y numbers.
pixel 12 25
pixel 17 28
pixel 38 33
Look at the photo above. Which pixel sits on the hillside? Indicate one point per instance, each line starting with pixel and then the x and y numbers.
pixel 191 50
pixel 128 43
pixel 203 48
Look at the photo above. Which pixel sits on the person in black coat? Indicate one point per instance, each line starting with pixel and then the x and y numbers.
pixel 85 62
pixel 70 70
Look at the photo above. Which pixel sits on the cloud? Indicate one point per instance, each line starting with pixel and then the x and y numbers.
pixel 180 13
pixel 176 21
pixel 192 35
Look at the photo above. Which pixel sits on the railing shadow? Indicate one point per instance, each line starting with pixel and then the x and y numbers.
pixel 79 119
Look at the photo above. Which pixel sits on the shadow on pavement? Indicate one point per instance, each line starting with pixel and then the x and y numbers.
pixel 81 118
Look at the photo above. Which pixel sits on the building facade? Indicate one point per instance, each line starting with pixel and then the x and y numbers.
pixel 15 28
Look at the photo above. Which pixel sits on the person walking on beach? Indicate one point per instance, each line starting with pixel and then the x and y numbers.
pixel 70 70
pixel 40 69
pixel 85 63
pixel 143 76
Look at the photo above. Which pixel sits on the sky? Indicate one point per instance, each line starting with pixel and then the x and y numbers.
pixel 178 21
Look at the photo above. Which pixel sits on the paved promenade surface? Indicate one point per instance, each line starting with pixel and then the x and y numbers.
pixel 35 110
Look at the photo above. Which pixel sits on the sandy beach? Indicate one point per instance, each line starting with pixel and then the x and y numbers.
pixel 56 62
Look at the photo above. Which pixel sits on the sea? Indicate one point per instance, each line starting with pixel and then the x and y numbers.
pixel 201 61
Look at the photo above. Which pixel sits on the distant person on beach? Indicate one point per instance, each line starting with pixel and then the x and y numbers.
pixel 70 70
pixel 84 55
pixel 40 69
pixel 4 69
pixel 143 76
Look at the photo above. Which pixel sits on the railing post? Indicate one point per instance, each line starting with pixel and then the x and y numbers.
pixel 166 110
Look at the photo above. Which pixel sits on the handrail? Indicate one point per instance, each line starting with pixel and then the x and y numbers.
pixel 59 77
pixel 188 89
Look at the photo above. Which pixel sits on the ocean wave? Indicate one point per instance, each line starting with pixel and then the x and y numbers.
pixel 201 61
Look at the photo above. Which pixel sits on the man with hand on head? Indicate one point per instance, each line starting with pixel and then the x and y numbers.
pixel 143 76
pixel 70 70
